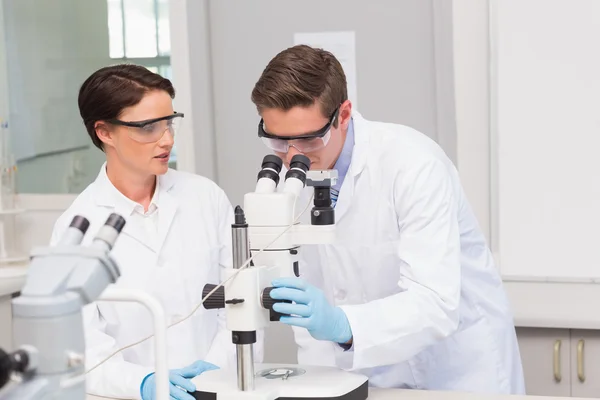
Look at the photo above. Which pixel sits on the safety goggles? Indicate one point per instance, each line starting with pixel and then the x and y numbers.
pixel 304 143
pixel 151 130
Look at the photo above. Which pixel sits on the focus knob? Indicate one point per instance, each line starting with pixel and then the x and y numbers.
pixel 267 302
pixel 215 300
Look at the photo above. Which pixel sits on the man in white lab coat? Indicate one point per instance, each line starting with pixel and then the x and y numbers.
pixel 409 294
pixel 176 239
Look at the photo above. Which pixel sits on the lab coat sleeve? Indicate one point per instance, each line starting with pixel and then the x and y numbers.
pixel 312 351
pixel 116 377
pixel 222 351
pixel 393 329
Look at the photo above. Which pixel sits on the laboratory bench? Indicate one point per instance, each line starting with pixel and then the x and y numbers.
pixel 559 337
pixel 400 394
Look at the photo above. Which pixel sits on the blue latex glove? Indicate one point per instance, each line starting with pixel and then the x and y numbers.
pixel 180 381
pixel 311 311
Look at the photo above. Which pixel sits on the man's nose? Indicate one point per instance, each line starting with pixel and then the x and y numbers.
pixel 292 151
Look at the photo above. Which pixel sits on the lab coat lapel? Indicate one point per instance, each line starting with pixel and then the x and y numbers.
pixel 167 208
pixel 344 198
pixel 134 231
pixel 357 164
pixel 108 196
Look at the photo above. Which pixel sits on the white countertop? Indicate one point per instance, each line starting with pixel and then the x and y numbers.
pixel 12 279
pixel 395 394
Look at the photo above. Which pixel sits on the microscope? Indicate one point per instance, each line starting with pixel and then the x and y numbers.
pixel 267 228
pixel 48 326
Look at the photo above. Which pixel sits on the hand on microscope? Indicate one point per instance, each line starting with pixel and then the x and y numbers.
pixel 311 310
pixel 180 385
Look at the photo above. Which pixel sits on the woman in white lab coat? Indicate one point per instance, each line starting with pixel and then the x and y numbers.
pixel 408 295
pixel 176 239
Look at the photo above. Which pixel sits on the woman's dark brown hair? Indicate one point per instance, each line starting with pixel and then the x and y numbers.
pixel 108 91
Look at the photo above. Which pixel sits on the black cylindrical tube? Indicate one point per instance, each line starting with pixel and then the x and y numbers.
pixel 80 223
pixel 300 161
pixel 116 221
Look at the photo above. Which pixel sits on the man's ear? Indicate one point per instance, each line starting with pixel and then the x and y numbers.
pixel 345 114
pixel 104 133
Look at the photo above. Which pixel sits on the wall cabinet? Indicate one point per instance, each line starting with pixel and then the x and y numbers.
pixel 561 362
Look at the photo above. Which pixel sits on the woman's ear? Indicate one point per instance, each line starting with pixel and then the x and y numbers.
pixel 104 133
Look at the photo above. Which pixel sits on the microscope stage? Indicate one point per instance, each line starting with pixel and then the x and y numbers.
pixel 284 382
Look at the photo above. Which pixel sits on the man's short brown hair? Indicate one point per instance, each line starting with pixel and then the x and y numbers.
pixel 299 76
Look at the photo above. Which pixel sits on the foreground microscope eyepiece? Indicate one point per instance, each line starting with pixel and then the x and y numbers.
pixel 76 231
pixel 107 235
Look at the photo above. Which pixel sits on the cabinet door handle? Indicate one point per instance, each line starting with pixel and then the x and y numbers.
pixel 580 372
pixel 557 373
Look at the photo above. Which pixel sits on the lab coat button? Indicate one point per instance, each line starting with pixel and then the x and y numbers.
pixel 340 294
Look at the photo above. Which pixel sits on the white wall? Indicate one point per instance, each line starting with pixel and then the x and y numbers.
pixel 472 102
pixel 546 137
pixel 3 73
pixel 540 301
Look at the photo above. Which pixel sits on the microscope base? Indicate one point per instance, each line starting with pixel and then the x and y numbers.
pixel 271 383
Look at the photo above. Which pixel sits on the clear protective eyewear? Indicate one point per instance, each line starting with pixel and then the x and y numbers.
pixel 151 130
pixel 304 143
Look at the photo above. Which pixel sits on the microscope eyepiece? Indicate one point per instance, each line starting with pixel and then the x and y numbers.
pixel 80 223
pixel 115 221
pixel 271 167
pixel 272 161
pixel 74 234
pixel 300 161
pixel 108 233
pixel 298 167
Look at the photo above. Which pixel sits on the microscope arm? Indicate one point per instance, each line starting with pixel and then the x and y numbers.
pixel 113 293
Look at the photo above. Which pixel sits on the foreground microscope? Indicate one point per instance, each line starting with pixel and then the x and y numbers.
pixel 268 222
pixel 47 322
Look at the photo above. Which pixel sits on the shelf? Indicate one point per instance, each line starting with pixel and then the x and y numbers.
pixel 554 304
pixel 12 211
pixel 13 260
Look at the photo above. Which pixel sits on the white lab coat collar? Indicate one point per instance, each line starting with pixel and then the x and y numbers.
pixel 361 144
pixel 357 164
pixel 107 195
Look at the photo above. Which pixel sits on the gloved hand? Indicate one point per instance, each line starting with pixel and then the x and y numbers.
pixel 311 311
pixel 177 377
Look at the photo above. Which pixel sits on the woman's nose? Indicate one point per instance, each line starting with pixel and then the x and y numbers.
pixel 167 139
